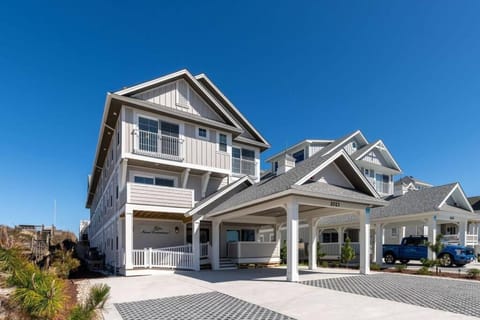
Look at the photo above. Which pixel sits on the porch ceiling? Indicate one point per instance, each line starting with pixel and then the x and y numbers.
pixel 159 215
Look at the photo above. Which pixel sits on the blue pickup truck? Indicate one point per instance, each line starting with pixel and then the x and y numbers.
pixel 416 248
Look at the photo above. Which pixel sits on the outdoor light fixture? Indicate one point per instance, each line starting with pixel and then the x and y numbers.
pixel 177 230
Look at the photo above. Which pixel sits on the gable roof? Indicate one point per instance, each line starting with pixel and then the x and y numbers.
pixel 209 85
pixel 298 144
pixel 303 171
pixel 421 201
pixel 410 179
pixel 360 153
pixel 182 74
pixel 475 203
pixel 220 195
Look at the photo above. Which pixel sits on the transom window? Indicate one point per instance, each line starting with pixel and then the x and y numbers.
pixel 158 181
pixel 299 156
pixel 222 142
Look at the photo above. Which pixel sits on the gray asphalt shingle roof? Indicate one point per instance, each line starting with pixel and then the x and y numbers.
pixel 283 182
pixel 475 203
pixel 420 201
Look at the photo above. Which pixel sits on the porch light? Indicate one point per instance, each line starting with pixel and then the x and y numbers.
pixel 177 230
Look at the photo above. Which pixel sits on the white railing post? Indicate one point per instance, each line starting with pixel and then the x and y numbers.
pixel 150 260
pixel 145 257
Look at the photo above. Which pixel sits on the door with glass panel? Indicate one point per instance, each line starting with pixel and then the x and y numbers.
pixel 148 135
pixel 169 138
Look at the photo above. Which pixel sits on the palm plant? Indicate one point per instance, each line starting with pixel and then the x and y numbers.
pixel 95 302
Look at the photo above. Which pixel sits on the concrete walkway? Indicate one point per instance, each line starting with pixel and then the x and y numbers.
pixel 258 290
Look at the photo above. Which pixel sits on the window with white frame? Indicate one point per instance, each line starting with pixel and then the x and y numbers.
pixel 222 142
pixel 158 136
pixel 202 133
pixel 158 181
pixel 299 156
pixel 243 161
pixel 394 232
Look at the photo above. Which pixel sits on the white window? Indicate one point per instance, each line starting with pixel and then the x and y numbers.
pixel 202 133
pixel 243 161
pixel 158 181
pixel 222 142
pixel 394 232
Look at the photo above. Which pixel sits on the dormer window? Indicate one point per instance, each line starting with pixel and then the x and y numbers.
pixel 202 133
pixel 299 156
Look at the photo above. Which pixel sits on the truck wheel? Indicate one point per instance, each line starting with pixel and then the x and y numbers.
pixel 389 258
pixel 446 260
pixel 404 261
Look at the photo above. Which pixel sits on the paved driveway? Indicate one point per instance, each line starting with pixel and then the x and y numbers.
pixel 263 294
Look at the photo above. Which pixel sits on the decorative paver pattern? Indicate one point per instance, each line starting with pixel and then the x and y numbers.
pixel 441 294
pixel 210 305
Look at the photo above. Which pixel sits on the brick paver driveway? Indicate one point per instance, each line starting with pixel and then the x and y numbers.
pixel 210 305
pixel 441 294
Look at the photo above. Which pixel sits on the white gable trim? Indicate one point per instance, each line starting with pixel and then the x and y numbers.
pixel 455 188
pixel 340 153
pixel 231 105
pixel 356 133
pixel 173 76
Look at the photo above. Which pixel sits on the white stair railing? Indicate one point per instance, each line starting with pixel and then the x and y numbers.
pixel 177 257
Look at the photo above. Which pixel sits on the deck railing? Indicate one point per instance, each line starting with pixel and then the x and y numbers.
pixel 177 257
pixel 243 166
pixel 335 248
pixel 157 145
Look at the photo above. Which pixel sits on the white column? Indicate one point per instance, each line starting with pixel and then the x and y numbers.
pixel 432 235
pixel 196 242
pixel 365 241
pixel 312 250
pixel 185 229
pixel 425 231
pixel 379 240
pixel 215 244
pixel 278 237
pixel 403 232
pixel 340 231
pixel 292 241
pixel 128 239
pixel 462 232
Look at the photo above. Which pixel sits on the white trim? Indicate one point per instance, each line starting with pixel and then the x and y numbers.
pixel 197 133
pixel 218 142
pixel 465 199
pixel 237 112
pixel 352 164
pixel 219 194
pixel 375 145
pixel 177 94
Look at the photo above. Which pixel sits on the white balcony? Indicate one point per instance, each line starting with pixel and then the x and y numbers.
pixel 244 167
pixel 146 194
pixel 157 145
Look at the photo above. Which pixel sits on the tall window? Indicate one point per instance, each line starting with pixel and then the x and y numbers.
pixel 148 134
pixel 222 142
pixel 299 156
pixel 275 167
pixel 382 183
pixel 243 161
pixel 158 181
pixel 169 139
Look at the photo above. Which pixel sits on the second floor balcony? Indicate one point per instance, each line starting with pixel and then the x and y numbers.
pixel 158 145
pixel 152 195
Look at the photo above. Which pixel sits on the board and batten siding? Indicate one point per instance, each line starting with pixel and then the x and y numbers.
pixel 195 151
pixel 204 152
pixel 375 157
pixel 179 95
pixel 159 196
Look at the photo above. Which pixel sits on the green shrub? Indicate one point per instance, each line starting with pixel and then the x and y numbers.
pixel 11 260
pixel 324 264
pixel 424 271
pixel 348 253
pixel 95 302
pixel 64 263
pixel 375 267
pixel 283 252
pixel 400 267
pixel 39 293
pixel 473 273
pixel 336 264
pixel 428 263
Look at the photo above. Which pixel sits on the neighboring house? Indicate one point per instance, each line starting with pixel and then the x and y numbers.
pixel 414 207
pixel 409 183
pixel 475 203
pixel 176 183
pixel 83 230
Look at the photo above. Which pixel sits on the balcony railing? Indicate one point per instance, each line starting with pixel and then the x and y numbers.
pixel 145 194
pixel 243 166
pixel 158 145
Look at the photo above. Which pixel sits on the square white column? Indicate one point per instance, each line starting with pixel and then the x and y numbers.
pixel 128 239
pixel 432 235
pixel 119 252
pixel 196 242
pixel 379 241
pixel 312 250
pixel 278 238
pixel 215 245
pixel 340 231
pixel 292 241
pixel 365 241
pixel 462 232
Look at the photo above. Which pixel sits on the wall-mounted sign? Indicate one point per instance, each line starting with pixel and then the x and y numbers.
pixel 155 230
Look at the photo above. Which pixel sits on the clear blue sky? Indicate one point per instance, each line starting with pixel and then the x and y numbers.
pixel 407 72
